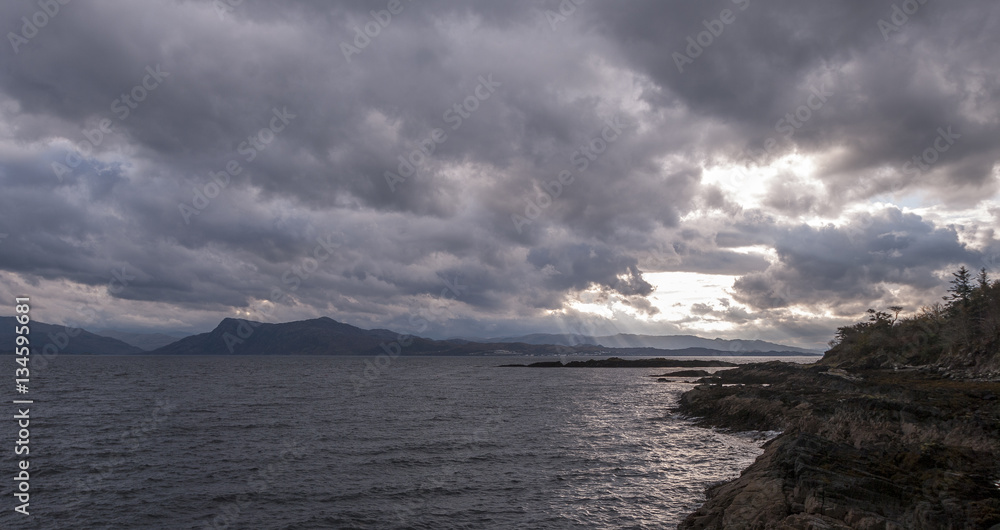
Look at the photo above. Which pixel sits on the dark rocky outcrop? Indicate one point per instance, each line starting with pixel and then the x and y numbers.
pixel 684 373
pixel 866 449
pixel 897 427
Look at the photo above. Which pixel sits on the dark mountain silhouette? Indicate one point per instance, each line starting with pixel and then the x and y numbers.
pixel 82 343
pixel 325 336
pixel 322 336
pixel 144 341
pixel 662 342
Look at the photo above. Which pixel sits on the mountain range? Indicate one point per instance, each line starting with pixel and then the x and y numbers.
pixel 662 342
pixel 81 342
pixel 325 336
pixel 144 341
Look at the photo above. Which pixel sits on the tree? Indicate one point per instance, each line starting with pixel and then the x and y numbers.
pixel 880 318
pixel 961 287
pixel 896 310
pixel 983 279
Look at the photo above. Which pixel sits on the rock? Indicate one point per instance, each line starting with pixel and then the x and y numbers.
pixel 616 362
pixel 685 373
pixel 881 449
pixel 547 364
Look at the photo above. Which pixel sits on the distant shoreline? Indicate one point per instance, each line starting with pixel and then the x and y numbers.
pixel 616 362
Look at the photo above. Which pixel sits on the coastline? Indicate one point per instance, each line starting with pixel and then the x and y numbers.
pixel 871 449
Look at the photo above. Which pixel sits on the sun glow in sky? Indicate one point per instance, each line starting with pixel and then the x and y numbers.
pixel 673 296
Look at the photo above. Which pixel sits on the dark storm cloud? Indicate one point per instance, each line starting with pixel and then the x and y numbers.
pixel 577 266
pixel 159 99
pixel 886 99
pixel 856 262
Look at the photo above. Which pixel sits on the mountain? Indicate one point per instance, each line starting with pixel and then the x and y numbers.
pixel 325 336
pixel 144 341
pixel 83 343
pixel 307 337
pixel 563 339
pixel 662 342
pixel 671 342
pixel 700 352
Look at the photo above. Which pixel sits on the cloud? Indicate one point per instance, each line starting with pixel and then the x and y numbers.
pixel 144 107
pixel 861 261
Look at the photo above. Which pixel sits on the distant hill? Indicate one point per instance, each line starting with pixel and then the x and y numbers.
pixel 84 343
pixel 307 337
pixel 144 341
pixel 662 342
pixel 563 339
pixel 325 336
pixel 702 352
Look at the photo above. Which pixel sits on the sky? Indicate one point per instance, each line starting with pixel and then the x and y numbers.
pixel 732 168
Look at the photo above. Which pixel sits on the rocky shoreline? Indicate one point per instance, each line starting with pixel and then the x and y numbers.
pixel 916 448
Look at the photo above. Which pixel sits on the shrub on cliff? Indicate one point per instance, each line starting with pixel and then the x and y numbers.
pixel 962 333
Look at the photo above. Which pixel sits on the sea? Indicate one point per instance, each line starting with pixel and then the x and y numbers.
pixel 284 442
